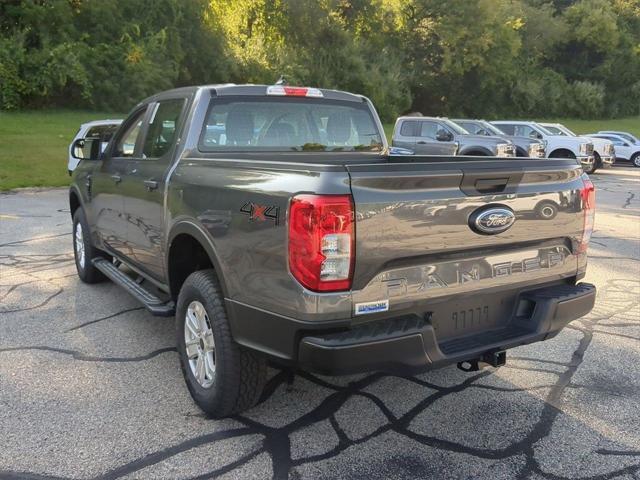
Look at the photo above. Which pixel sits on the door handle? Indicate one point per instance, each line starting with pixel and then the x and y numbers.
pixel 150 184
pixel 421 143
pixel 116 178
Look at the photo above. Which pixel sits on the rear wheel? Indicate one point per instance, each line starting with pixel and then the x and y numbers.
pixel 83 251
pixel 222 377
pixel 635 159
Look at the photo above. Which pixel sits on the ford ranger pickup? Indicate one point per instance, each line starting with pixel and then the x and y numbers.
pixel 273 222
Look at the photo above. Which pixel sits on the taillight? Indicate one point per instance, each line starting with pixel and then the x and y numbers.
pixel 588 200
pixel 282 90
pixel 322 241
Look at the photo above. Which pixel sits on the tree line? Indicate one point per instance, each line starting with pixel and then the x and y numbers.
pixel 480 58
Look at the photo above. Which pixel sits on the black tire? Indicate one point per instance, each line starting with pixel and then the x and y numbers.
pixel 597 163
pixel 635 160
pixel 239 375
pixel 86 271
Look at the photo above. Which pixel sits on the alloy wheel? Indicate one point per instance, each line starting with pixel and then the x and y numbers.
pixel 199 344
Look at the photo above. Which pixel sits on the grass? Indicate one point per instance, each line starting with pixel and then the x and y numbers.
pixel 33 144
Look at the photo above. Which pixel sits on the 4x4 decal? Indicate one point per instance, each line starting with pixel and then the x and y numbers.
pixel 260 213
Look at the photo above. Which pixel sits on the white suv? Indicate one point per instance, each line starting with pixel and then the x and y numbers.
pixel 557 146
pixel 603 150
pixel 625 135
pixel 98 132
pixel 625 150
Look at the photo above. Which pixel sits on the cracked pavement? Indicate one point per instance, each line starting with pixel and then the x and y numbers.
pixel 90 386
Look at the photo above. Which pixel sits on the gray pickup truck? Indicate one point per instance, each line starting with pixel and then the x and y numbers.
pixel 275 225
pixel 441 136
pixel 525 146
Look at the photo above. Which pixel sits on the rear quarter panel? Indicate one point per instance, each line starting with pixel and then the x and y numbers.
pixel 219 195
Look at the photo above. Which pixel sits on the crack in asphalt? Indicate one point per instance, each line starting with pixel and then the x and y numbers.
pixel 107 317
pixel 89 358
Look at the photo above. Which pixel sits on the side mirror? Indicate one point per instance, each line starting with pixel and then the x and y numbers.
pixel 77 149
pixel 443 136
pixel 87 149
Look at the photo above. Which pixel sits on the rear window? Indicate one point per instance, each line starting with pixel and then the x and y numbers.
pixel 288 124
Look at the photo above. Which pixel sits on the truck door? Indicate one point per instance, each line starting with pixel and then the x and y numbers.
pixel 144 183
pixel 106 184
pixel 406 134
pixel 428 142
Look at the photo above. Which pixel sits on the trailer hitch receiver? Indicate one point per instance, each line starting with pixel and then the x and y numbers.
pixel 496 358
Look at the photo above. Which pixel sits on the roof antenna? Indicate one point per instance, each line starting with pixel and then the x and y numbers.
pixel 282 81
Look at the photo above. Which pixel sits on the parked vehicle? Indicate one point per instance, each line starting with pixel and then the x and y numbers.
pixel 603 150
pixel 632 139
pixel 525 146
pixel 557 146
pixel 625 150
pixel 96 135
pixel 247 232
pixel 441 136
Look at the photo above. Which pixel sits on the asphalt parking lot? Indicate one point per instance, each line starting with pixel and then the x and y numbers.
pixel 90 386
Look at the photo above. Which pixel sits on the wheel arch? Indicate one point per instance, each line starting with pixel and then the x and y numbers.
pixel 75 200
pixel 189 231
pixel 476 150
pixel 562 153
pixel 521 152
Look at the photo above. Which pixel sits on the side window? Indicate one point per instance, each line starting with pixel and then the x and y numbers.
pixel 470 127
pixel 162 128
pixel 96 140
pixel 508 129
pixel 126 143
pixel 409 128
pixel 526 131
pixel 429 129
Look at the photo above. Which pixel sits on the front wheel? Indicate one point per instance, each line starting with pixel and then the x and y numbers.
pixel 635 159
pixel 83 251
pixel 597 163
pixel 222 377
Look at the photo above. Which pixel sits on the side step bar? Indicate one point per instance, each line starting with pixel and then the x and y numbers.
pixel 155 305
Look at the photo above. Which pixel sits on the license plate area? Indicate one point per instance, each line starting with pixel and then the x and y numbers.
pixel 477 313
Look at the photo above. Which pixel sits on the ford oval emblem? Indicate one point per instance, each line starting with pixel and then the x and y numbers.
pixel 492 220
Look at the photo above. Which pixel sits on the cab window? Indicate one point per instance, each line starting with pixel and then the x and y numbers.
pixel 507 128
pixel 409 128
pixel 526 131
pixel 163 126
pixel 126 143
pixel 429 129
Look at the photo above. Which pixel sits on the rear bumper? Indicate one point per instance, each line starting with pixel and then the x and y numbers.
pixel 410 341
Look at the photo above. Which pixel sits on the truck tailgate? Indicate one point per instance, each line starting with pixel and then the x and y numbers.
pixel 416 239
